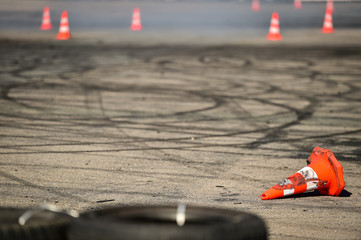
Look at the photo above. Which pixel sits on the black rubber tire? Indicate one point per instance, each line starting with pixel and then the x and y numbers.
pixel 158 223
pixel 44 225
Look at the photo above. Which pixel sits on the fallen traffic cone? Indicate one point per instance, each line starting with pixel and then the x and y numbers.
pixel 274 30
pixel 136 23
pixel 327 23
pixel 255 5
pixel 330 5
pixel 297 4
pixel 324 173
pixel 46 23
pixel 64 33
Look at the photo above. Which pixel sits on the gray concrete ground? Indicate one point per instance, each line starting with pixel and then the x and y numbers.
pixel 86 124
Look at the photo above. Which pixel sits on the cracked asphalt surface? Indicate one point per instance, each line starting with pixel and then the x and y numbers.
pixel 85 125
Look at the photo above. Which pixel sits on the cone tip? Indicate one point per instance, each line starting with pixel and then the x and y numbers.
pixel 264 196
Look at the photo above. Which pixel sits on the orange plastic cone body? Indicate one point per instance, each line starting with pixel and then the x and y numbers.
pixel 274 30
pixel 46 23
pixel 330 5
pixel 64 33
pixel 324 173
pixel 327 23
pixel 136 22
pixel 255 5
pixel 297 4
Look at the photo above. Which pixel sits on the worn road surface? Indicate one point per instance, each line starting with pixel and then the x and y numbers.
pixel 89 124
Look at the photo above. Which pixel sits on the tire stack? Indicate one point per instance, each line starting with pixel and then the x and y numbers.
pixel 159 223
pixel 44 225
pixel 138 222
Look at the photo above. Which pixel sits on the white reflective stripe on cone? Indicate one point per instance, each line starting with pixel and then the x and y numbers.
pixel 313 185
pixel 308 173
pixel 64 29
pixel 275 21
pixel 327 24
pixel 288 192
pixel 274 30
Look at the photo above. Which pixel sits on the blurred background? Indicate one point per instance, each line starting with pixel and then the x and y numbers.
pixel 182 21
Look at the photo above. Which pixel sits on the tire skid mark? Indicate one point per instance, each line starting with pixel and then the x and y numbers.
pixel 35 186
pixel 216 100
pixel 119 171
pixel 193 145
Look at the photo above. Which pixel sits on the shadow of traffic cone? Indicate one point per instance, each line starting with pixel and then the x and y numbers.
pixel 46 23
pixel 324 173
pixel 297 4
pixel 274 30
pixel 136 22
pixel 64 33
pixel 327 23
pixel 255 5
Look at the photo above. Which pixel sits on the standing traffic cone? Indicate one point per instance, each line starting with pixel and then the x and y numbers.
pixel 46 23
pixel 274 30
pixel 330 5
pixel 136 23
pixel 255 5
pixel 297 4
pixel 324 173
pixel 327 23
pixel 64 33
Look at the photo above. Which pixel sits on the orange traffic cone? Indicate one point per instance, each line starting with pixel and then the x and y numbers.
pixel 297 4
pixel 330 5
pixel 136 23
pixel 324 173
pixel 255 5
pixel 64 33
pixel 274 30
pixel 46 23
pixel 327 23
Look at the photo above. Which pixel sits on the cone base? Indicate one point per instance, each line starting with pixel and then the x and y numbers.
pixel 327 30
pixel 274 37
pixel 136 27
pixel 336 182
pixel 46 27
pixel 63 36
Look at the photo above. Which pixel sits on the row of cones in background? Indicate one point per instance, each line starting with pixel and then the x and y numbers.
pixel 64 32
pixel 296 3
pixel 256 6
pixel 273 35
pixel 274 30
